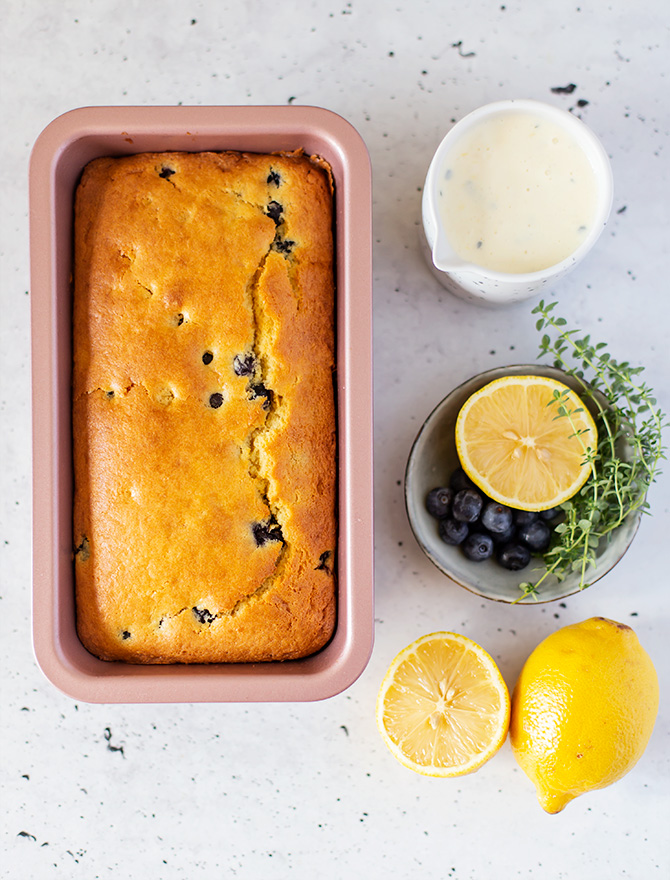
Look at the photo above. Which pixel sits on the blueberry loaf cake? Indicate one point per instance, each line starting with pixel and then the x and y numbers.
pixel 203 407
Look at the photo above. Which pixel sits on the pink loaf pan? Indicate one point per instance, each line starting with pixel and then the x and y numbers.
pixel 58 158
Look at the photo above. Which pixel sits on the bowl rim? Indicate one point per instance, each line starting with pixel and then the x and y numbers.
pixel 58 156
pixel 479 380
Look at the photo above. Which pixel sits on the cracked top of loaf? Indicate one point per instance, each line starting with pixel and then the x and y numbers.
pixel 203 407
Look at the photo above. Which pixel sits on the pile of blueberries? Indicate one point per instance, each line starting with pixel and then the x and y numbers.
pixel 483 528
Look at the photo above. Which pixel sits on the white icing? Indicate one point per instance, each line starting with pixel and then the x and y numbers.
pixel 517 193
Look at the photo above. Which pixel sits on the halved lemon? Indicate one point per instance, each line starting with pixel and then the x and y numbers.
pixel 515 445
pixel 443 707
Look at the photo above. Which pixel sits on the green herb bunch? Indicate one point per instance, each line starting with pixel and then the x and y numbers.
pixel 627 457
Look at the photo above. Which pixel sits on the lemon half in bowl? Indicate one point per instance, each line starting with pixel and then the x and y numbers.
pixel 526 441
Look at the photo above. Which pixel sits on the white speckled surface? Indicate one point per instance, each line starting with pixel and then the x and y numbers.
pixel 310 791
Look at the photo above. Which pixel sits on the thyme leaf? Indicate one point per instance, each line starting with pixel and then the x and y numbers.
pixel 629 420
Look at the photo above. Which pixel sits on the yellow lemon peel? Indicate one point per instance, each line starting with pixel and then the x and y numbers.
pixel 583 710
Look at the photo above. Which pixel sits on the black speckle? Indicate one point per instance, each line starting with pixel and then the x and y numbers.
pixel 582 103
pixel 25 776
pixel 633 614
pixel 110 747
pixel 244 364
pixel 202 615
pixel 564 90
pixel 194 21
pixel 479 244
pixel 459 46
pixel 180 319
pixel 207 358
pixel 291 99
pixel 274 211
pixel 324 562
pixel 215 400
pixel 26 834
pixel 125 635
pixel 273 177
pixel 109 394
pixel 622 210
pixel 166 172
pixel 269 531
pixel 344 728
pixel 259 390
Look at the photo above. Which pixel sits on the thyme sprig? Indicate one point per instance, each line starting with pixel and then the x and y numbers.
pixel 628 455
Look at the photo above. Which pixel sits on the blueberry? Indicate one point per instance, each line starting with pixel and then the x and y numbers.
pixel 283 245
pixel 438 502
pixel 202 615
pixel 478 547
pixel 207 357
pixel 166 172
pixel 452 531
pixel 125 634
pixel 273 177
pixel 244 364
pixel 536 535
pixel 513 556
pixel 264 532
pixel 552 513
pixel 83 551
pixel 525 517
pixel 467 505
pixel 259 390
pixel 215 400
pixel 460 480
pixel 496 517
pixel 503 537
pixel 275 211
pixel 324 559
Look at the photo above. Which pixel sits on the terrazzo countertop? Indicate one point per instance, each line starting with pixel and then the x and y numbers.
pixel 309 790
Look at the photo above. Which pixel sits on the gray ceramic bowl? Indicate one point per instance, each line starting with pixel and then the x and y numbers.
pixel 432 461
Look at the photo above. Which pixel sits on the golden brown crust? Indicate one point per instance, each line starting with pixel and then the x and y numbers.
pixel 203 412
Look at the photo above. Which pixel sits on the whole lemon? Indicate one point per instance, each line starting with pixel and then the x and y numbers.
pixel 583 710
